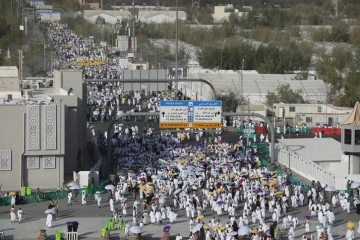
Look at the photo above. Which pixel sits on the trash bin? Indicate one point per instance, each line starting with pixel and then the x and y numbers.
pixel 109 225
pixel 75 226
pixel 358 208
pixel 58 234
pixel 23 191
pixel 42 234
pixel 28 190
pixel 103 231
pixel 69 226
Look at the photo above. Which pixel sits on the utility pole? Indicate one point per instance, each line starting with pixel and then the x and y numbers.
pixel 20 16
pixel 242 77
pixel 44 55
pixel 176 45
pixel 134 49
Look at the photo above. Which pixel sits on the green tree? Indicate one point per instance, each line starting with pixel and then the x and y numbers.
pixel 339 32
pixel 333 68
pixel 66 5
pixel 351 92
pixel 271 98
pixel 284 94
pixel 354 37
pixel 231 100
pixel 100 20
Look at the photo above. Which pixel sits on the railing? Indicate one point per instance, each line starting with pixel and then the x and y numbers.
pixel 264 156
pixel 53 195
pixel 71 235
pixel 301 130
pixel 304 167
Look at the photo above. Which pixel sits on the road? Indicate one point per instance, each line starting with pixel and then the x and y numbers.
pixel 91 220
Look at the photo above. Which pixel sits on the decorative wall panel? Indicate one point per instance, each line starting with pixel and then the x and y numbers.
pixel 49 162
pixel 50 127
pixel 5 160
pixel 33 127
pixel 32 162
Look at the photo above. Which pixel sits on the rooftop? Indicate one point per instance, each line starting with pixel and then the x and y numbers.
pixel 35 92
pixel 256 84
pixel 9 72
pixel 315 149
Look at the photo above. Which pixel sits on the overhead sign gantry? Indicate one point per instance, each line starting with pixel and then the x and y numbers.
pixel 190 114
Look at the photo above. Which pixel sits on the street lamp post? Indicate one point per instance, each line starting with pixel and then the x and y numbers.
pixel 242 78
pixel 176 44
pixel 44 56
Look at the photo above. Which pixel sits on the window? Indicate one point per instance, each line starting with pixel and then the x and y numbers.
pixel 308 119
pixel 292 109
pixel 319 109
pixel 357 137
pixel 347 136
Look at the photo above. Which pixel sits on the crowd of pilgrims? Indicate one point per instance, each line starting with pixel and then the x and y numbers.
pixel 72 51
pixel 221 178
pixel 106 100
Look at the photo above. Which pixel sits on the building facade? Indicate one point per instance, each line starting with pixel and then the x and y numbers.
pixel 43 136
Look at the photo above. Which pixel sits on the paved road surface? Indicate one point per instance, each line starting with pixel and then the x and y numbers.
pixel 91 220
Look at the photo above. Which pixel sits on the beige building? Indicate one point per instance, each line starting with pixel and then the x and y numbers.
pixel 319 159
pixel 222 13
pixel 311 114
pixel 109 16
pixel 9 80
pixel 44 135
pixel 92 5
pixel 138 65
pixel 158 17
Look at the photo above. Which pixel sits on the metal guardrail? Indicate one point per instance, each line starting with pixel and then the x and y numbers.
pixel 53 195
pixel 305 167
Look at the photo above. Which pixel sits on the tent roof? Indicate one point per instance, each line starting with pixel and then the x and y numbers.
pixel 354 116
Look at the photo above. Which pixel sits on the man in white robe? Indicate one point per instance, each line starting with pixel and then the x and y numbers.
pixel 49 219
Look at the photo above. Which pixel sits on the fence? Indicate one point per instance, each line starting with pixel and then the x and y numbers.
pixel 301 130
pixel 305 167
pixel 263 152
pixel 53 195
pixel 264 156
pixel 71 235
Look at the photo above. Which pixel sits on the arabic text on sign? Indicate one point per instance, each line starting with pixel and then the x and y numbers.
pixel 203 119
